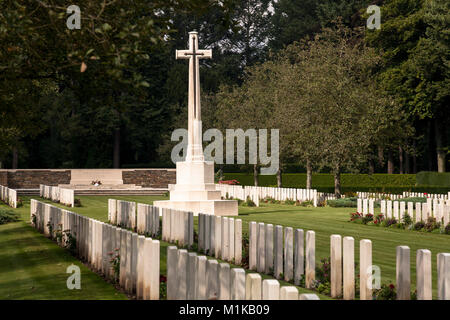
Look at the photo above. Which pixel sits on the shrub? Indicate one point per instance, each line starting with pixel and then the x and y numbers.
pixel 77 202
pixel 350 194
pixel 378 219
pixel 271 200
pixel 406 220
pixel 447 229
pixel 355 216
pixel 248 203
pixel 419 225
pixel 163 287
pixel 71 241
pixel 386 292
pixel 425 178
pixel 307 203
pixel 115 263
pixel 413 199
pixel 367 218
pixel 245 251
pixel 323 277
pixel 289 202
pixel 431 224
pixel 8 215
pixel 390 222
pixel 230 182
pixel 343 203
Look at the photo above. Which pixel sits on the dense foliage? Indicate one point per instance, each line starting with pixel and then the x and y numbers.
pixel 111 93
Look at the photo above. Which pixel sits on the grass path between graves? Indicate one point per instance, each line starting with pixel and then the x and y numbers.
pixel 324 221
pixel 34 267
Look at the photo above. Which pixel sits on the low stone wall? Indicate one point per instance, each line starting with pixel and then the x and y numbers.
pixel 32 178
pixel 149 178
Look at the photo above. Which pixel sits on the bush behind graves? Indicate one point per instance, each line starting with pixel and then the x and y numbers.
pixel 447 229
pixel 343 203
pixel 324 182
pixel 8 215
pixel 427 178
pixel 77 202
pixel 431 224
pixel 413 199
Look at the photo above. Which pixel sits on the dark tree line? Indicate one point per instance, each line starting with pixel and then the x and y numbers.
pixel 110 94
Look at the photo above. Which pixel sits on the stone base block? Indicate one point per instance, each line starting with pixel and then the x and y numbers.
pixel 213 207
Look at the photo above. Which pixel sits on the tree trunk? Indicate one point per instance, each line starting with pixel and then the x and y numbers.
pixel 381 156
pixel 116 159
pixel 337 183
pixel 255 175
pixel 371 166
pixel 390 163
pixel 400 159
pixel 279 178
pixel 407 164
pixel 308 174
pixel 429 146
pixel 414 156
pixel 439 134
pixel 15 160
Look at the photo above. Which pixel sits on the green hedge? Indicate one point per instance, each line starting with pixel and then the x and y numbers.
pixel 324 182
pixel 426 178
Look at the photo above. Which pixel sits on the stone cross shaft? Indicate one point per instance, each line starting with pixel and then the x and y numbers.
pixel 194 149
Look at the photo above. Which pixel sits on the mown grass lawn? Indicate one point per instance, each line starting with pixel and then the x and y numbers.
pixel 97 207
pixel 324 221
pixel 34 267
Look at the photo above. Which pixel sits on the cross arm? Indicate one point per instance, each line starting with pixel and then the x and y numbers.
pixel 181 54
pixel 205 54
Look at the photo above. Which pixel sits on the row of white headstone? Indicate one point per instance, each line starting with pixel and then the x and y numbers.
pixel 220 237
pixel 365 206
pixel 294 260
pixel 177 227
pixel 100 243
pixel 378 195
pixel 194 277
pixel 423 274
pixel 342 271
pixel 57 194
pixel 259 193
pixel 122 213
pixel 8 196
pixel 407 194
pixel 439 209
pixel 398 209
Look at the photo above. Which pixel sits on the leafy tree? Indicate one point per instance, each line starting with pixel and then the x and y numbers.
pixel 293 20
pixel 414 42
pixel 323 95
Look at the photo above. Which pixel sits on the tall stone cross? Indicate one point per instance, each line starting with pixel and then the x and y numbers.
pixel 194 149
